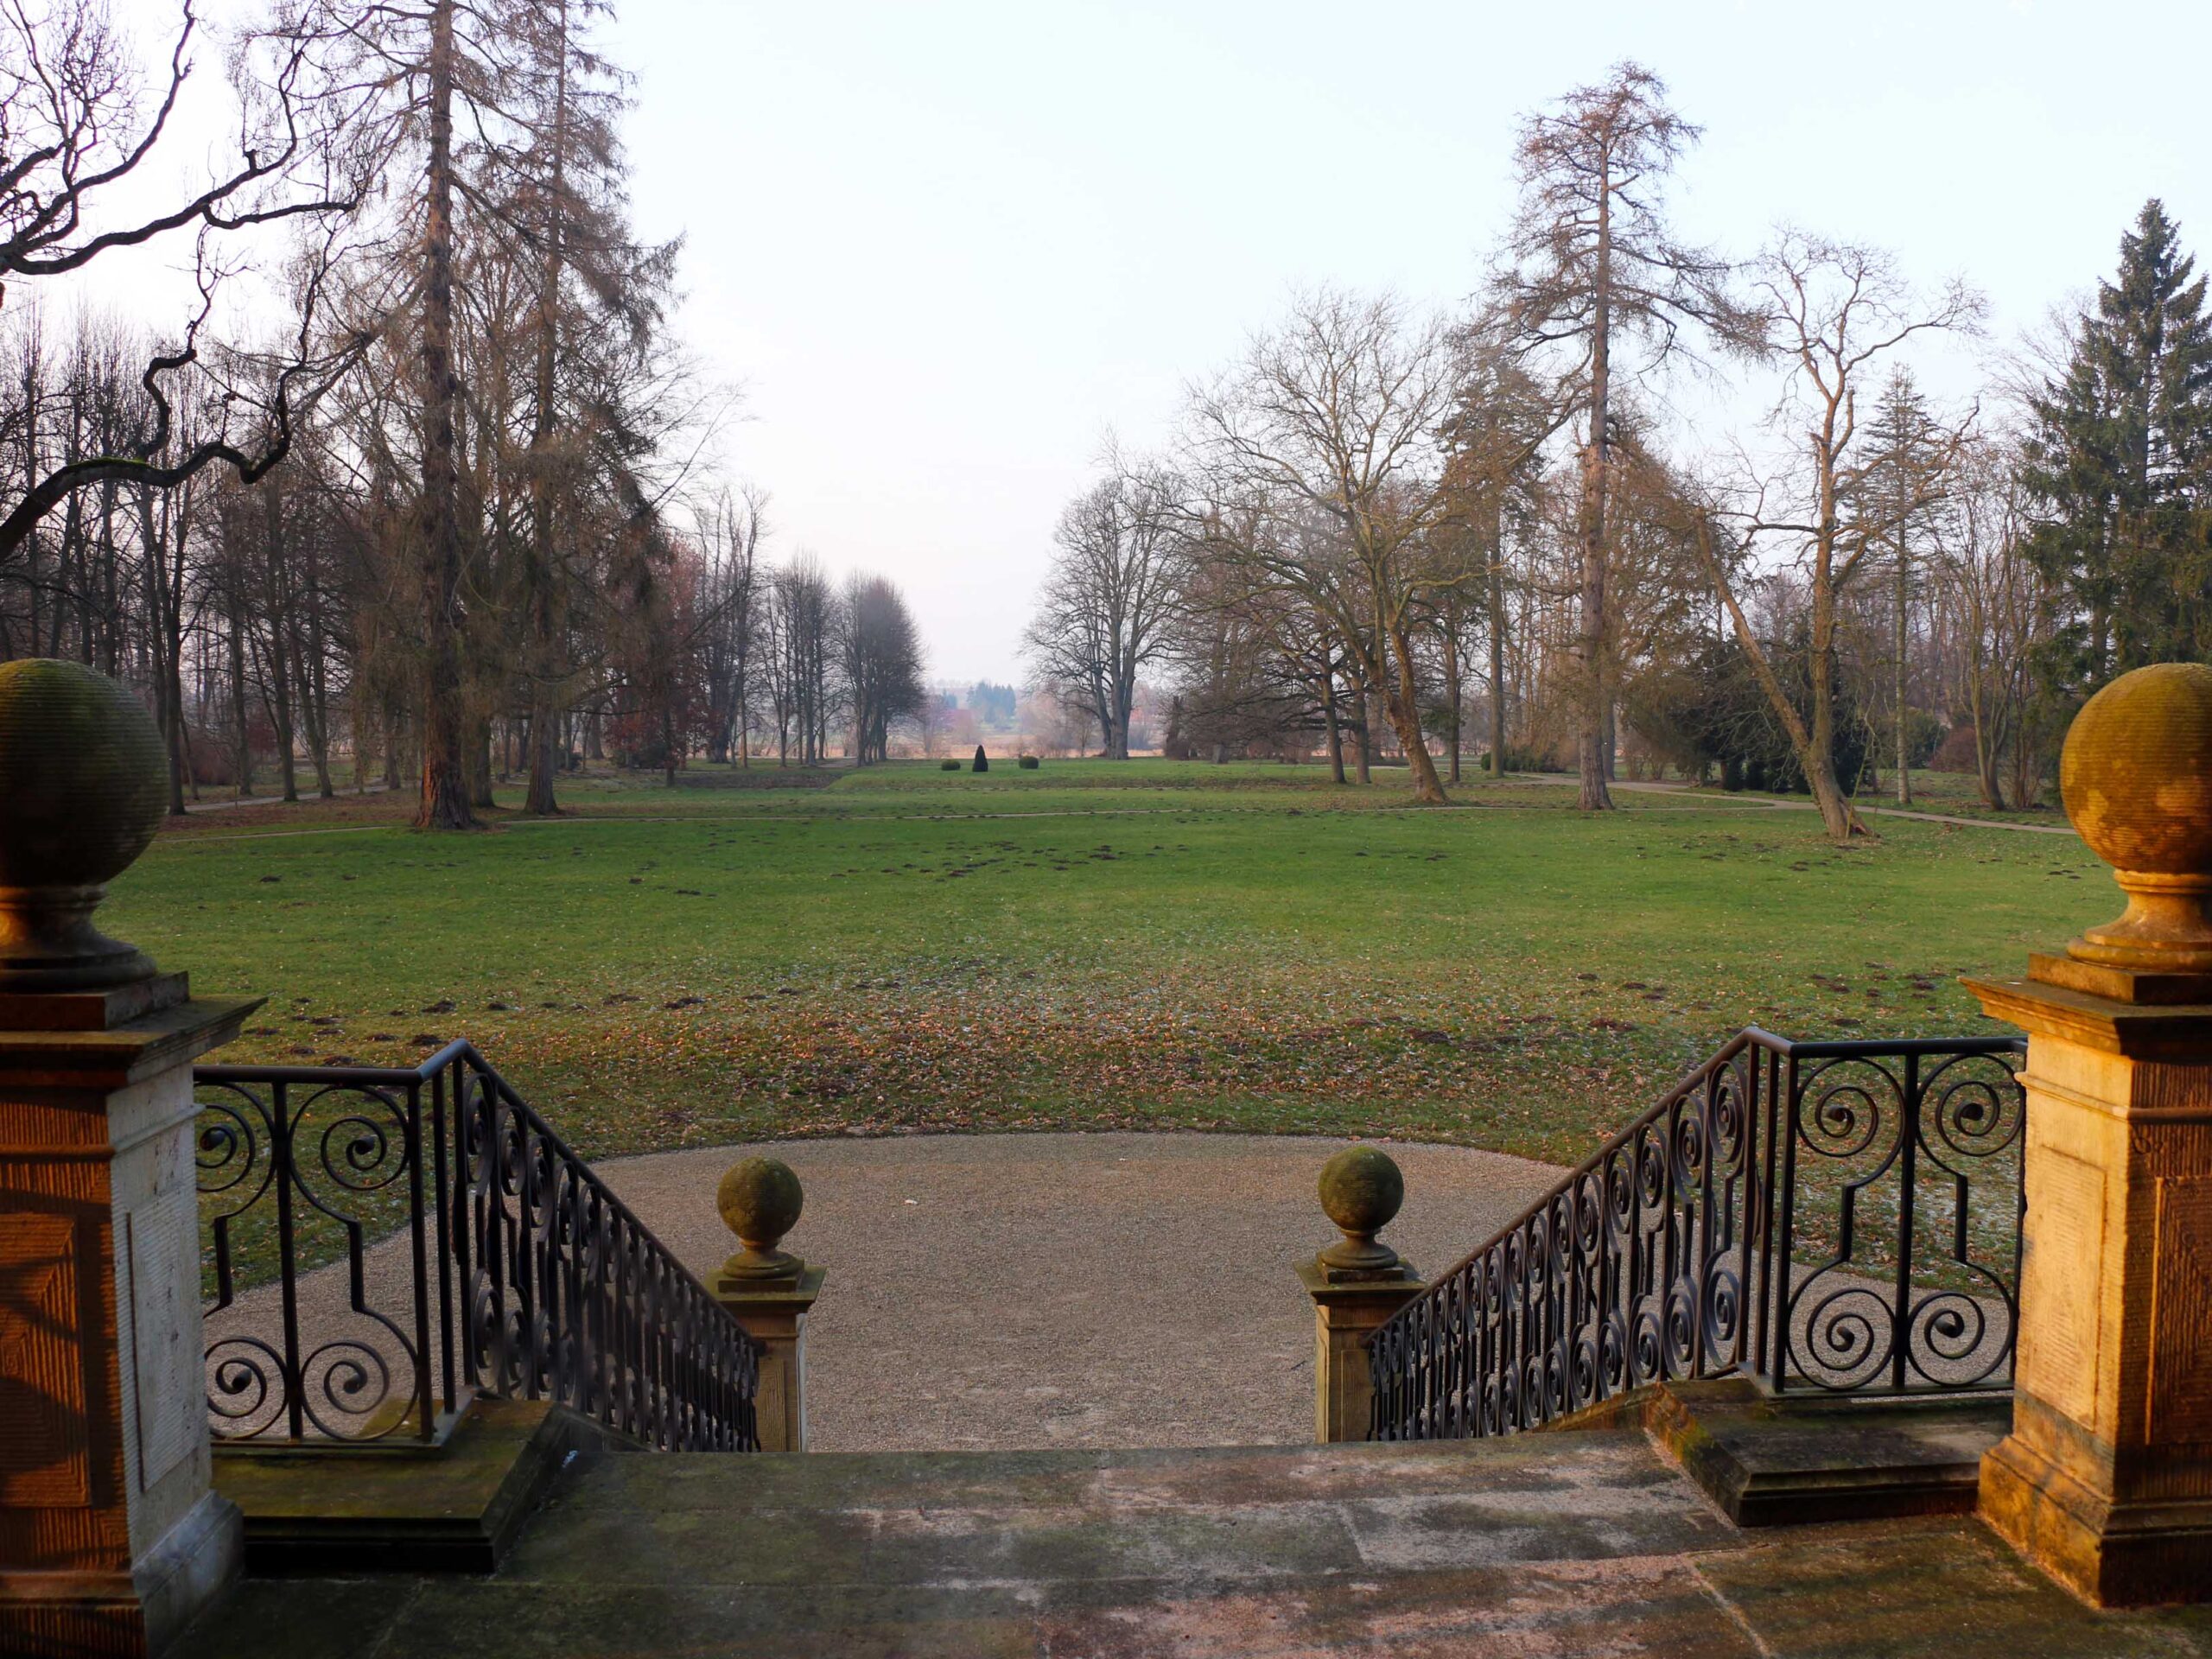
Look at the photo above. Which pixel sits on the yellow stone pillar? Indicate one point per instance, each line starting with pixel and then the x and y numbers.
pixel 2105 1479
pixel 111 1538
pixel 1355 1284
pixel 770 1291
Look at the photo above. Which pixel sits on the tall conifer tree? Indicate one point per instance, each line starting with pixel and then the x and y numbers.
pixel 2120 461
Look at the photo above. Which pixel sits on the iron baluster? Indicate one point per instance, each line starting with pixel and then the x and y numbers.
pixel 1671 1252
pixel 546 1284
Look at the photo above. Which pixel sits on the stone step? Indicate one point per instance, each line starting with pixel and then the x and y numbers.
pixel 1585 1543
pixel 1799 1460
pixel 455 1506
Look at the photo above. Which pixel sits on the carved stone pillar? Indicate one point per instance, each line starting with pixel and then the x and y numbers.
pixel 111 1538
pixel 1356 1285
pixel 769 1291
pixel 2105 1479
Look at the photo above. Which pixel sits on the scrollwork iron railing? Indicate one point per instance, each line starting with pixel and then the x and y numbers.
pixel 383 1243
pixel 1838 1217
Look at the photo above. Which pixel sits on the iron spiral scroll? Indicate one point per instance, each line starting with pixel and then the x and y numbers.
pixel 1835 1216
pixel 382 1243
pixel 308 1167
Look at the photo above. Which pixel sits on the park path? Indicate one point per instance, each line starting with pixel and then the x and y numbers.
pixel 991 1292
pixel 1765 803
pixel 278 800
pixel 1688 800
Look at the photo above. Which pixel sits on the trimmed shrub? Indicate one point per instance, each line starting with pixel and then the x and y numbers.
pixel 1028 763
pixel 981 762
pixel 948 765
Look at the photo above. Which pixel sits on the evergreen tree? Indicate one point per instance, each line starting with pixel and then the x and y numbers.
pixel 1902 484
pixel 2120 461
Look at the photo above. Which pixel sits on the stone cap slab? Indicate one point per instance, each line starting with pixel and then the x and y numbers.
pixel 127 1054
pixel 2174 1031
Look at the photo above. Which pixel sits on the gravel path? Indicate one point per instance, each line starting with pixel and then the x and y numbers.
pixel 995 1291
pixel 1002 1291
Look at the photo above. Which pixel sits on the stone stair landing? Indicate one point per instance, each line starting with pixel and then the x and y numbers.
pixel 1583 1544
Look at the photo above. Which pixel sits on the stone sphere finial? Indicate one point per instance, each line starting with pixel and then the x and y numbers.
pixel 83 786
pixel 1361 1190
pixel 760 1200
pixel 2136 775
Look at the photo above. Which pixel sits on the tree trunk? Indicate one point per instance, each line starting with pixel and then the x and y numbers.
pixel 544 760
pixel 545 713
pixel 1335 729
pixel 1497 644
pixel 478 764
pixel 1898 644
pixel 1815 747
pixel 1362 734
pixel 443 802
pixel 1403 706
pixel 1589 624
pixel 1452 689
pixel 244 785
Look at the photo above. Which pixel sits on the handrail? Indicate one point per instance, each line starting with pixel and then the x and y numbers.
pixel 1676 1250
pixel 466 1248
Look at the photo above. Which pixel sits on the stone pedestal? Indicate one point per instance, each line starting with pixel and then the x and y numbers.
pixel 1347 1308
pixel 774 1313
pixel 111 1538
pixel 2106 1478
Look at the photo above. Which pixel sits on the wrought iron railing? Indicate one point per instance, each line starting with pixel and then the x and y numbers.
pixel 383 1243
pixel 1836 1217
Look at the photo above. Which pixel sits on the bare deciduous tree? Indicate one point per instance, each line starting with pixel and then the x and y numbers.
pixel 1336 413
pixel 78 145
pixel 1835 311
pixel 1591 259
pixel 1111 593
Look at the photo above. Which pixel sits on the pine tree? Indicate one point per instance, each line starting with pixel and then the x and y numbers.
pixel 1901 482
pixel 2120 461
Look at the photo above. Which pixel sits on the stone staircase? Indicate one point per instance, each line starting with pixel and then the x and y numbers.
pixel 1580 1543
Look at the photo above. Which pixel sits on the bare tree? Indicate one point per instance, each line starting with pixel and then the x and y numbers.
pixel 1335 414
pixel 2002 603
pixel 880 655
pixel 1496 433
pixel 77 147
pixel 1591 259
pixel 730 532
pixel 1111 594
pixel 1836 311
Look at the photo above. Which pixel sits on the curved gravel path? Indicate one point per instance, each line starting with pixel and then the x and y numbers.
pixel 1000 1291
pixel 991 1292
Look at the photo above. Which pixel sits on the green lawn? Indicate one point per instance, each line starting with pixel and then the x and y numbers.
pixel 1090 946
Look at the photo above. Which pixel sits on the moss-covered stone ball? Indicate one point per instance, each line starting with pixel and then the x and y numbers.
pixel 83 776
pixel 2136 773
pixel 1362 1189
pixel 759 1200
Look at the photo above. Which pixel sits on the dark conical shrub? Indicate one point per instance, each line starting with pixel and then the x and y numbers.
pixel 982 762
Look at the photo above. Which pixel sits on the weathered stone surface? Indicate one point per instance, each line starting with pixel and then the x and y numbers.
pixel 2105 1477
pixel 1794 1461
pixel 109 1539
pixel 1586 1545
pixel 453 1508
pixel 1915 1588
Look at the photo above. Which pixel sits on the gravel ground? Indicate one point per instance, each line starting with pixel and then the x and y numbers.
pixel 1002 1291
pixel 996 1292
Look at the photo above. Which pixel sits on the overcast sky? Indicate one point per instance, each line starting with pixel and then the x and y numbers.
pixel 946 245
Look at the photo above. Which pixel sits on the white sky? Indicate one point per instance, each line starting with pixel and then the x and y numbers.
pixel 945 246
